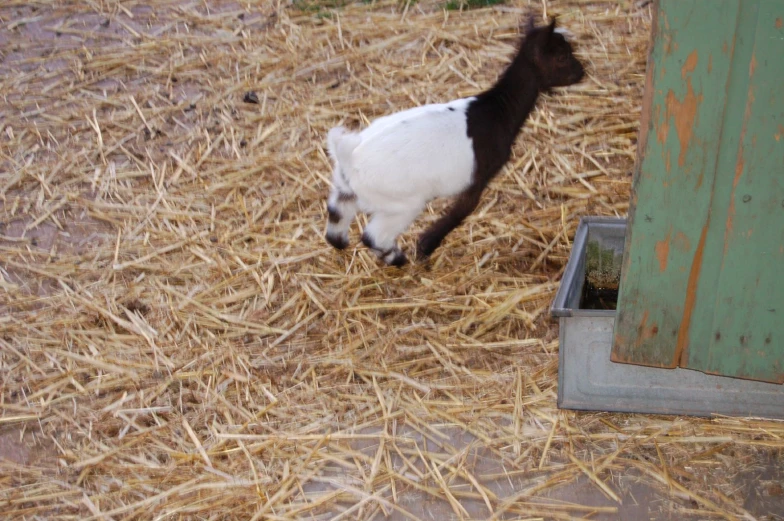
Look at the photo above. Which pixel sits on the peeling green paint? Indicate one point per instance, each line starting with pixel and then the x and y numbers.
pixel 704 256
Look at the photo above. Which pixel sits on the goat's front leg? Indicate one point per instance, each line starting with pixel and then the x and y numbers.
pixel 456 214
pixel 341 209
pixel 381 234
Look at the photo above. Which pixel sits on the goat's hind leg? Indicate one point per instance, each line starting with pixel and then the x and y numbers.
pixel 341 209
pixel 381 234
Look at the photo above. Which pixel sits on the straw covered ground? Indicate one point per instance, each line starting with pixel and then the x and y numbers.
pixel 178 341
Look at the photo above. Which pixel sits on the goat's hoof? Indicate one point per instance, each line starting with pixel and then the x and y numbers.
pixel 392 257
pixel 396 258
pixel 337 241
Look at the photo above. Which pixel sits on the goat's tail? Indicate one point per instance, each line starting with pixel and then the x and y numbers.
pixel 341 143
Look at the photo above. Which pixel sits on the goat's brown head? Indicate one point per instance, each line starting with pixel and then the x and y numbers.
pixel 551 55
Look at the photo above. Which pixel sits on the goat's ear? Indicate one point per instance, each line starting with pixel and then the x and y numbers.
pixel 551 27
pixel 530 24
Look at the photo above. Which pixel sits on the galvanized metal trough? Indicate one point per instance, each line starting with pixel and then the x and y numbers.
pixel 589 380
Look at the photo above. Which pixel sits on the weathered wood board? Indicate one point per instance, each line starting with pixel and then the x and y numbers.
pixel 703 276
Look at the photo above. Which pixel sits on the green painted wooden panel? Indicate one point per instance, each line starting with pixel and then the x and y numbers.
pixel 703 277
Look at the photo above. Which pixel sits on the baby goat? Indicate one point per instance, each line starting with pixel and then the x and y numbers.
pixel 394 167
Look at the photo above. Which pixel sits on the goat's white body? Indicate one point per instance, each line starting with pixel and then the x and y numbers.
pixel 401 161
